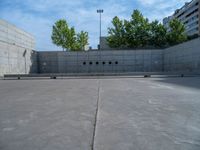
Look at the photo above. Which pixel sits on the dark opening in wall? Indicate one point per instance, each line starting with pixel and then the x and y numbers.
pixel 116 62
pixel 90 63
pixel 84 63
pixel 97 63
pixel 110 63
pixel 103 63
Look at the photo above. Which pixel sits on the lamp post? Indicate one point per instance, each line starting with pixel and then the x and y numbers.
pixel 100 11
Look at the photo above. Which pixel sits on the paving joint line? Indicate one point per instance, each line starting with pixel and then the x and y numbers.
pixel 96 115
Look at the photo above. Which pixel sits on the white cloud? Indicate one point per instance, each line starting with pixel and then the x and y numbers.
pixel 158 9
pixel 37 17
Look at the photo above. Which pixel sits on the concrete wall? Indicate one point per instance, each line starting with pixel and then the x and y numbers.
pixel 16 50
pixel 12 34
pixel 183 57
pixel 93 61
pixel 18 57
pixel 104 44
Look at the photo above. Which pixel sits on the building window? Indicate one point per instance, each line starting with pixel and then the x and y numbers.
pixel 191 13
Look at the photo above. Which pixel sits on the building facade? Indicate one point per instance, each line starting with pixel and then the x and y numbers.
pixel 189 15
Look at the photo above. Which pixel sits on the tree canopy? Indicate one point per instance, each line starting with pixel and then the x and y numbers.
pixel 117 33
pixel 177 33
pixel 157 34
pixel 66 37
pixel 138 32
pixel 82 40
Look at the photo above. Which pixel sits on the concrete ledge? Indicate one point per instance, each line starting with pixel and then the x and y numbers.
pixel 130 74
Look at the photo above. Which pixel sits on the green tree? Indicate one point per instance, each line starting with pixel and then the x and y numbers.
pixel 137 30
pixel 82 40
pixel 59 33
pixel 71 43
pixel 66 37
pixel 176 32
pixel 116 34
pixel 63 35
pixel 158 34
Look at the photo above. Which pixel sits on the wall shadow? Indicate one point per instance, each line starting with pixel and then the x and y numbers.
pixel 34 67
pixel 190 82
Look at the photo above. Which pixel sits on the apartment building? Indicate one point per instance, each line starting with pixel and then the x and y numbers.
pixel 189 15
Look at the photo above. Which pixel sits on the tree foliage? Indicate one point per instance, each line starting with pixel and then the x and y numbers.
pixel 177 33
pixel 117 33
pixel 66 37
pixel 157 34
pixel 139 32
pixel 82 40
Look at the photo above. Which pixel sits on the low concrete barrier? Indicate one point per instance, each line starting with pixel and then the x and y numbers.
pixel 91 75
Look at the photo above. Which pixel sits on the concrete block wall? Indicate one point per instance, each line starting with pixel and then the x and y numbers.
pixel 16 51
pixel 183 57
pixel 101 61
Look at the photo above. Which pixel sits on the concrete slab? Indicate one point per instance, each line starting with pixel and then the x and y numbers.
pixel 151 114
pixel 47 114
pixel 100 114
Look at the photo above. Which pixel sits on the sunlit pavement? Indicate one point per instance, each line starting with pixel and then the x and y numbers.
pixel 100 114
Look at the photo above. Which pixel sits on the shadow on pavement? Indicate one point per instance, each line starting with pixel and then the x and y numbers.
pixel 192 82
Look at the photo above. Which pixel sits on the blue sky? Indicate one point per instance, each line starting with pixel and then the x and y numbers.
pixel 38 16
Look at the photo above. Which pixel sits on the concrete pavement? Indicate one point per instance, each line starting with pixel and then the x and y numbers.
pixel 100 114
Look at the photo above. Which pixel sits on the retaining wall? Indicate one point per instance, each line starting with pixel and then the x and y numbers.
pixel 101 61
pixel 16 51
pixel 18 57
pixel 183 57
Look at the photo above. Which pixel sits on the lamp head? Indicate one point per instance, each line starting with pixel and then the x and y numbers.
pixel 100 11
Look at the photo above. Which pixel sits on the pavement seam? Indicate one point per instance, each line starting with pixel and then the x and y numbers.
pixel 96 115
